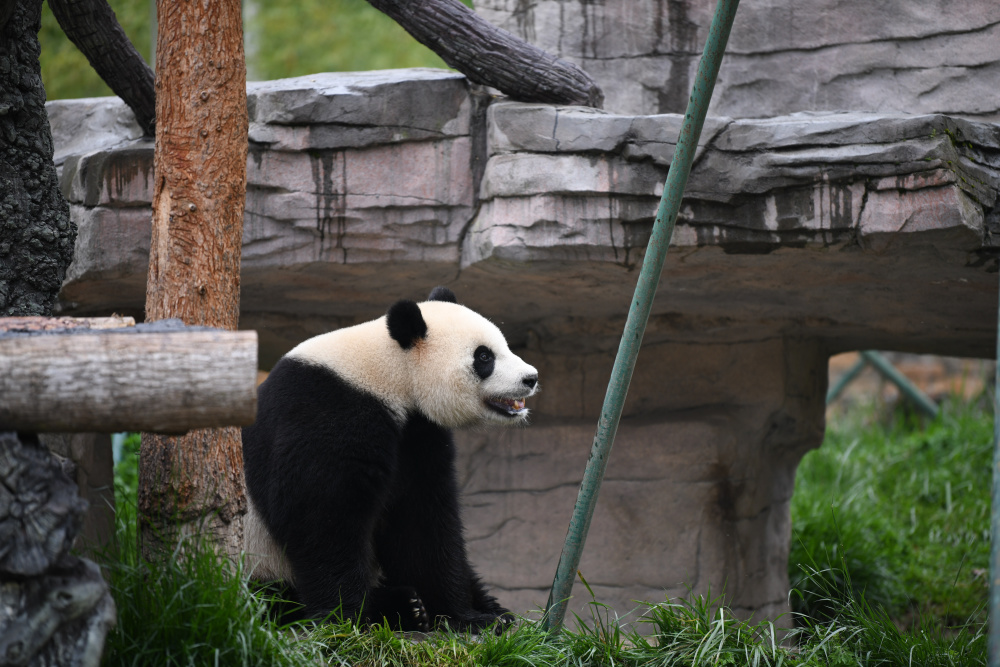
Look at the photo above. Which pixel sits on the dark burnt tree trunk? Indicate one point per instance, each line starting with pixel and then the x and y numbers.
pixel 36 235
pixel 92 26
pixel 491 56
pixel 54 607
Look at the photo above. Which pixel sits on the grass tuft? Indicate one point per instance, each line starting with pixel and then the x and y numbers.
pixel 195 608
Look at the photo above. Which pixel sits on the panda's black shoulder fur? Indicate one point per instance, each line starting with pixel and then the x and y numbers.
pixel 365 505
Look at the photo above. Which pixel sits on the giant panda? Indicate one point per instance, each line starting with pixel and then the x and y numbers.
pixel 353 498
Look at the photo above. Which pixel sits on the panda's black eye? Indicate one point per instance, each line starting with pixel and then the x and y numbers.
pixel 482 361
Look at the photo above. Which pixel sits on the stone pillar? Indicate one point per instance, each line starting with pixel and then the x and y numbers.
pixel 88 460
pixel 698 486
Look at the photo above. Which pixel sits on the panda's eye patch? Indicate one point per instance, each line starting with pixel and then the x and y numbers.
pixel 482 361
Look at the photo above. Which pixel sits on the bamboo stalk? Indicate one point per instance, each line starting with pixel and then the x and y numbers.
pixel 635 325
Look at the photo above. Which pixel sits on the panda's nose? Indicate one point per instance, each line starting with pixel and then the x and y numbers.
pixel 530 381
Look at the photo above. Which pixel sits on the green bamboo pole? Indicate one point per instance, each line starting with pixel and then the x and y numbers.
pixel 635 325
pixel 993 641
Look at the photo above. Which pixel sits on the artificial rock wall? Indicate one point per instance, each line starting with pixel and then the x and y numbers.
pixel 932 56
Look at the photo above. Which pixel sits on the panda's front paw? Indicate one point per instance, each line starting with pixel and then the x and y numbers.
pixel 420 618
pixel 401 606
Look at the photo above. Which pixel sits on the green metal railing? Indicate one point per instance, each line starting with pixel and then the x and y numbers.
pixel 635 325
pixel 888 371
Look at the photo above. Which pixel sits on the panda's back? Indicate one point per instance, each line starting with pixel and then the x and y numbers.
pixel 309 419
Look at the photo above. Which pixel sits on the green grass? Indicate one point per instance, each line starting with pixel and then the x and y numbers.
pixel 284 39
pixel 899 511
pixel 887 561
pixel 195 608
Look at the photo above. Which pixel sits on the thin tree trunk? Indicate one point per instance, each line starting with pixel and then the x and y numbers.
pixel 195 482
pixel 92 26
pixel 491 56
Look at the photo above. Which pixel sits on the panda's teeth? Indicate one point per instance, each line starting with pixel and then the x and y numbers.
pixel 510 405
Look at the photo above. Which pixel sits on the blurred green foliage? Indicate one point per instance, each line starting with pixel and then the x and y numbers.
pixel 66 72
pixel 308 36
pixel 283 39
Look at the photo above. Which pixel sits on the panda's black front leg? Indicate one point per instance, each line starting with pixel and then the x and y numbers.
pixel 419 541
pixel 401 606
pixel 486 604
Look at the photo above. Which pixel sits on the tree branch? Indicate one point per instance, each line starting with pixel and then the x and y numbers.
pixel 92 26
pixel 491 56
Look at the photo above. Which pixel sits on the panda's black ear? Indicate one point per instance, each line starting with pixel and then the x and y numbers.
pixel 440 293
pixel 406 324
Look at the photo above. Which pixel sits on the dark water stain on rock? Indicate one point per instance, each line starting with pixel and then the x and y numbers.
pixel 121 169
pixel 524 19
pixel 725 492
pixel 331 201
pixel 794 208
pixel 682 49
pixel 841 207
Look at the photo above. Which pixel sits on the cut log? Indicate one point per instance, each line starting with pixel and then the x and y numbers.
pixel 160 377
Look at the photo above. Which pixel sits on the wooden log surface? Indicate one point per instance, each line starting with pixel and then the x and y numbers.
pixel 161 377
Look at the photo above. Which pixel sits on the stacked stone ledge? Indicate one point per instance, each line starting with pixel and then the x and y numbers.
pixel 800 236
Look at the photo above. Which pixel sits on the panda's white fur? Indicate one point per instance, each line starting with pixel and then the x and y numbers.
pixel 435 377
pixel 264 558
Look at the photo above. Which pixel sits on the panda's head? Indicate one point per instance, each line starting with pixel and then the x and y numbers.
pixel 461 371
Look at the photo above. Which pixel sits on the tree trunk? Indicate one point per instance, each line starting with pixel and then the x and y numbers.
pixel 36 235
pixel 92 26
pixel 195 482
pixel 491 56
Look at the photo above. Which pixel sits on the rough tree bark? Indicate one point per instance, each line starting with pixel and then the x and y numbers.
pixel 491 56
pixel 92 26
pixel 36 235
pixel 195 482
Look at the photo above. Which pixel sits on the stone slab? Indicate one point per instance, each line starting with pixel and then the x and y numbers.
pixel 418 98
pixel 572 192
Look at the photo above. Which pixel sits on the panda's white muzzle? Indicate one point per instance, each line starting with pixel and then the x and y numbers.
pixel 512 405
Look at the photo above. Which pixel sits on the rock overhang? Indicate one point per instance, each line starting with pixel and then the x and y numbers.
pixel 865 230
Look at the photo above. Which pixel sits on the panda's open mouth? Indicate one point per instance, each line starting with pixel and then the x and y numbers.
pixel 510 407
